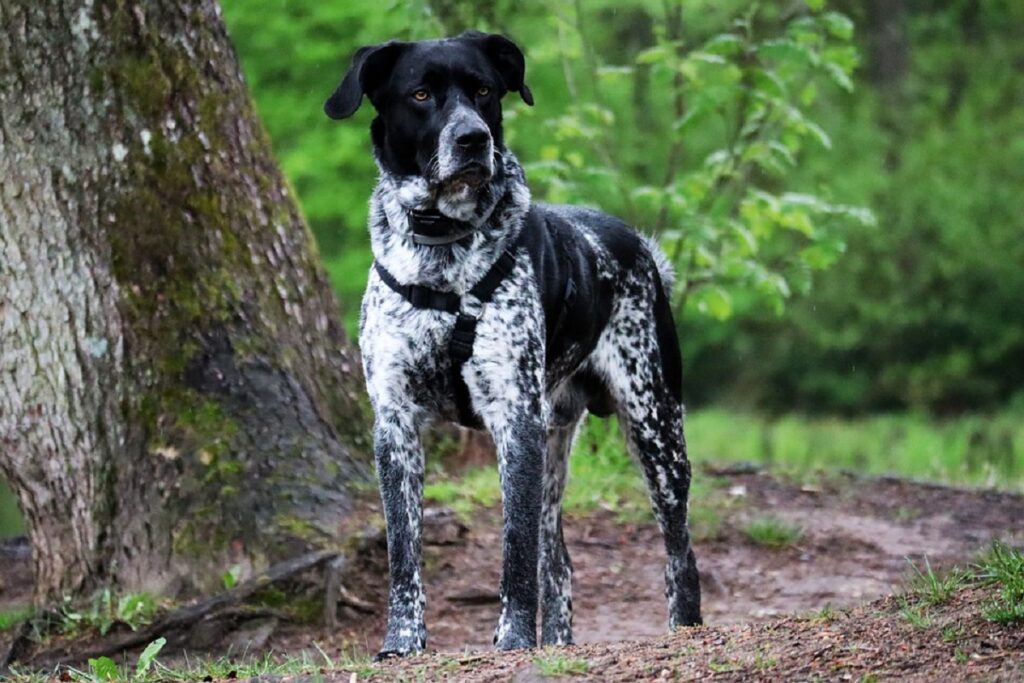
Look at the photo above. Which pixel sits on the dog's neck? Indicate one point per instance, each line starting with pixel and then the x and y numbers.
pixel 495 210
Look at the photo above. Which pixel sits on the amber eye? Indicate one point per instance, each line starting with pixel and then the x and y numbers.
pixel 483 91
pixel 420 95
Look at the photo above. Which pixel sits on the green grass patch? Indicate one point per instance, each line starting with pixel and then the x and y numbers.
pixel 602 476
pixel 147 669
pixel 560 664
pixel 772 532
pixel 934 588
pixel 12 617
pixel 982 450
pixel 979 450
pixel 1003 566
pixel 916 614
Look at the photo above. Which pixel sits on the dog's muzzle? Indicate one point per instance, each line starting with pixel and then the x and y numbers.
pixel 466 150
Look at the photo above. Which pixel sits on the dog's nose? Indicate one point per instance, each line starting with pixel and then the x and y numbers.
pixel 474 138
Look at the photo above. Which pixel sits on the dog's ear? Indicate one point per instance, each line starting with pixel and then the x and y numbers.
pixel 371 67
pixel 507 58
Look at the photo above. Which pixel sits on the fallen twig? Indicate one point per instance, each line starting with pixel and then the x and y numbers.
pixel 177 619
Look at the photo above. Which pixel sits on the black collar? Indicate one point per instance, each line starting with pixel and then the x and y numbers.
pixel 432 228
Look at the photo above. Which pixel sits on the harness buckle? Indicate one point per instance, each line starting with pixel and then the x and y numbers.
pixel 471 307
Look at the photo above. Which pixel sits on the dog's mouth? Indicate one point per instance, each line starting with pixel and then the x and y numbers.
pixel 472 175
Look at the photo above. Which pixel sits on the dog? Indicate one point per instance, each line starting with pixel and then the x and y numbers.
pixel 486 309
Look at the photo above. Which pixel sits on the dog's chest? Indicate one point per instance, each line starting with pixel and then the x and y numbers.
pixel 406 350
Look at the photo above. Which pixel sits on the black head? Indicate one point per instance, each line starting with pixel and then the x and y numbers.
pixel 438 103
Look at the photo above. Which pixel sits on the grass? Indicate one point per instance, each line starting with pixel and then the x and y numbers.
pixel 772 532
pixel 314 665
pixel 603 477
pixel 12 617
pixel 1003 567
pixel 981 450
pixel 551 663
pixel 916 614
pixel 971 449
pixel 934 588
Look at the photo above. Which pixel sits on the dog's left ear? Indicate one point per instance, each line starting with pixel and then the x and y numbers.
pixel 371 68
pixel 507 58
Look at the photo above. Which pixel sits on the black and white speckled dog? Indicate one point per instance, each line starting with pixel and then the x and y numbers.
pixel 494 312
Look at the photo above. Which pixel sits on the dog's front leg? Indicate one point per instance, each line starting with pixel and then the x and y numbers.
pixel 399 457
pixel 520 443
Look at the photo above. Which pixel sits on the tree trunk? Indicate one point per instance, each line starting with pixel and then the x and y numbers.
pixel 176 393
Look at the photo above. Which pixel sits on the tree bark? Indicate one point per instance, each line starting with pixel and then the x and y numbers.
pixel 176 393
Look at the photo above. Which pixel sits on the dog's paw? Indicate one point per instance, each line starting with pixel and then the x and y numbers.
pixel 514 641
pixel 402 642
pixel 385 655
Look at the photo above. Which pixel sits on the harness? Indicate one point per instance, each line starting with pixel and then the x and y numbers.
pixel 467 309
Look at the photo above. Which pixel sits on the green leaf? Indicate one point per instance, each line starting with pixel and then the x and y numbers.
pixel 653 55
pixel 724 44
pixel 148 656
pixel 788 51
pixel 815 5
pixel 230 577
pixel 839 25
pixel 103 669
pixel 838 76
pixel 714 301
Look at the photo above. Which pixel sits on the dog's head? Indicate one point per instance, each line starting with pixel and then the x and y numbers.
pixel 438 104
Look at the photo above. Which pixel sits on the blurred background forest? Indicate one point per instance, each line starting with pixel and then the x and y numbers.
pixel 839 187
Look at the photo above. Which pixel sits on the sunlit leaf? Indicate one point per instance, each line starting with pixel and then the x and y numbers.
pixel 839 25
pixel 714 301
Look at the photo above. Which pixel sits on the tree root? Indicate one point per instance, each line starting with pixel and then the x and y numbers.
pixel 183 618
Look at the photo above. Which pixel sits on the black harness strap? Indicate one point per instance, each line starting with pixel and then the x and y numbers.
pixel 467 311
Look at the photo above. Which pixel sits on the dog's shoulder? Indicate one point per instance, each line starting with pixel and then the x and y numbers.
pixel 585 234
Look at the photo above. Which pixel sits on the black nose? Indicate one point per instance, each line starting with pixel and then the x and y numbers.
pixel 473 139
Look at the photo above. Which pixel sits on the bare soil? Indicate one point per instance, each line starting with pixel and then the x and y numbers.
pixel 859 539
pixel 762 606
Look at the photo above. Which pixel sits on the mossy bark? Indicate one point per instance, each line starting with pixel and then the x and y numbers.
pixel 176 392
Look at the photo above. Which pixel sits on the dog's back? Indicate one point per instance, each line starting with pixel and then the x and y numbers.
pixel 585 261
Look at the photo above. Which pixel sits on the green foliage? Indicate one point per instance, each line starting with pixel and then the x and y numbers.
pixel 923 311
pixel 148 657
pixel 230 577
pixel 772 532
pixel 12 617
pixel 105 609
pixel 103 669
pixel 729 130
pixel 738 87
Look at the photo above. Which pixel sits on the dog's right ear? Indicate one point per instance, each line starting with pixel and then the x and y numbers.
pixel 371 67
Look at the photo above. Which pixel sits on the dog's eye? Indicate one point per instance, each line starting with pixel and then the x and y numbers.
pixel 420 95
pixel 483 91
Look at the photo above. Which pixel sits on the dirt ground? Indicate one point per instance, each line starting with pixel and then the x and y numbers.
pixel 762 606
pixel 858 537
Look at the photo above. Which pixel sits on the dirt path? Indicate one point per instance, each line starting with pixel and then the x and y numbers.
pixel 858 537
pixel 762 605
pixel 869 643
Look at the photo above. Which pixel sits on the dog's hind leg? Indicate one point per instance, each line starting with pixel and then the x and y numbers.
pixel 555 565
pixel 629 358
pixel 399 458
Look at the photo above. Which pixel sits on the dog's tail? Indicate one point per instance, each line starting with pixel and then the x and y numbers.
pixel 665 269
pixel 668 340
